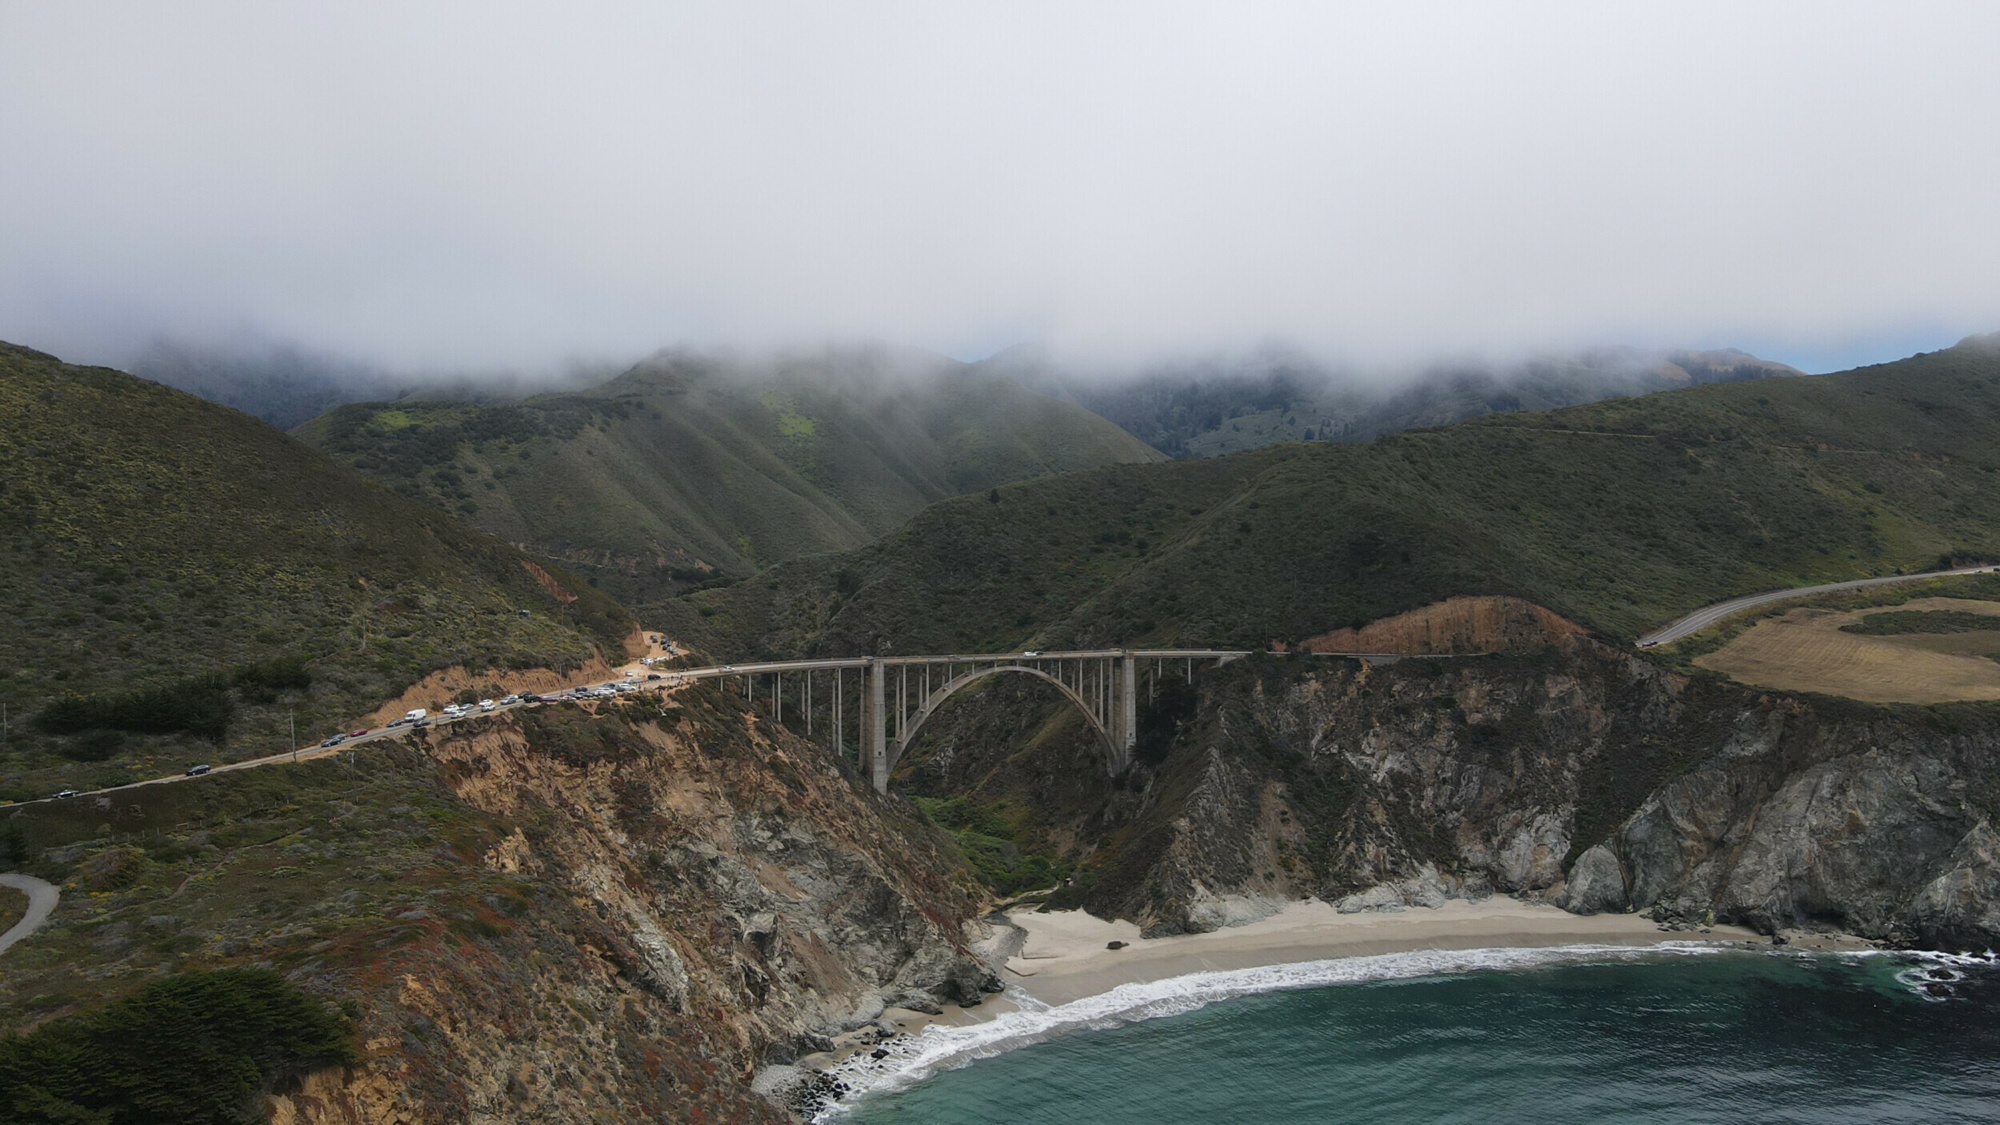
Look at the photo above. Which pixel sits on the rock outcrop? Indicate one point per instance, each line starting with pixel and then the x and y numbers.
pixel 1596 883
pixel 1574 773
pixel 711 895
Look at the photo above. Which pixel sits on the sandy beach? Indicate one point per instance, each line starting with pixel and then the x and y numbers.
pixel 1066 955
pixel 1063 960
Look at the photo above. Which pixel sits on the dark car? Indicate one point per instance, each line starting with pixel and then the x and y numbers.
pixel 197 771
pixel 333 741
pixel 653 676
pixel 64 793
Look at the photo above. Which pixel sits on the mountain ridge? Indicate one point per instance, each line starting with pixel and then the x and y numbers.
pixel 692 466
pixel 1619 515
pixel 189 572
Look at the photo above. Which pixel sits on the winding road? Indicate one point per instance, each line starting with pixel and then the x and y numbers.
pixel 41 902
pixel 1692 623
pixel 1702 618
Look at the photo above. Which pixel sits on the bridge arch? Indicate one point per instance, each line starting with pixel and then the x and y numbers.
pixel 1114 753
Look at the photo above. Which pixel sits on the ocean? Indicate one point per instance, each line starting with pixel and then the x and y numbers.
pixel 1583 1034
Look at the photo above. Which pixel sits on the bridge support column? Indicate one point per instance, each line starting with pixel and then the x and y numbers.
pixel 1125 707
pixel 876 714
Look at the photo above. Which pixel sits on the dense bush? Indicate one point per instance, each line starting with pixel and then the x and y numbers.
pixel 197 705
pixel 193 1049
pixel 280 673
pixel 200 705
pixel 989 845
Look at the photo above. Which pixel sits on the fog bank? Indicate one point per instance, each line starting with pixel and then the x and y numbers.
pixel 506 187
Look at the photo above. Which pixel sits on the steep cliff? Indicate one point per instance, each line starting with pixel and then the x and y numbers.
pixel 544 916
pixel 1571 771
pixel 1579 773
pixel 721 885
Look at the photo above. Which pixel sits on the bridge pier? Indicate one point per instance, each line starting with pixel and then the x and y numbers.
pixel 1125 708
pixel 875 714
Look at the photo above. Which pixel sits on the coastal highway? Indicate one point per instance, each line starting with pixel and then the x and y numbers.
pixel 41 902
pixel 1703 618
pixel 308 753
pixel 1692 623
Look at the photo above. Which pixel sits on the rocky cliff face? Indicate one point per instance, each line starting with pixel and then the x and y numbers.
pixel 1577 773
pixel 685 897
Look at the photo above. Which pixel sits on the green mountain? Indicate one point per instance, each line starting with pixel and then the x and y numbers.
pixel 1620 514
pixel 1200 408
pixel 689 467
pixel 183 581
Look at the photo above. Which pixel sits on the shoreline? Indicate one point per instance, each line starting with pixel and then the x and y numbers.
pixel 1061 973
pixel 1057 958
pixel 1065 955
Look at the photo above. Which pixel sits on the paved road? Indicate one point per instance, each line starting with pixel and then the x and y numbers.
pixel 1703 618
pixel 41 902
pixel 308 753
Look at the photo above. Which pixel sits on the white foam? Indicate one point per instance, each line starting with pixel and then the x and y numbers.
pixel 912 1059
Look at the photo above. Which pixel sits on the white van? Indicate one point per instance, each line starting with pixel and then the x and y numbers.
pixel 416 715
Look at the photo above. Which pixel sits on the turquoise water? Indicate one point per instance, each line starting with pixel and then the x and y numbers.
pixel 1579 1037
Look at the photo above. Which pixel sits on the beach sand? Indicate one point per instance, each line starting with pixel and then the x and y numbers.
pixel 1065 956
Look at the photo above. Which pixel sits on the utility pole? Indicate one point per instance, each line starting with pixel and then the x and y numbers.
pixel 292 720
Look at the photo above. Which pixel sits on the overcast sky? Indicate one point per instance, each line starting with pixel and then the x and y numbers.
pixel 518 186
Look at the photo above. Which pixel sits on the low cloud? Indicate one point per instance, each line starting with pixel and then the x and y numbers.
pixel 513 188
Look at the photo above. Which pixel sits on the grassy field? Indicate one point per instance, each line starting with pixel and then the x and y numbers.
pixel 186 583
pixel 687 468
pixel 1620 515
pixel 1929 653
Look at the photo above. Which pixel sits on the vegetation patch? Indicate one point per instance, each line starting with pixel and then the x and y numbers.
pixel 197 1048
pixel 1905 622
pixel 987 840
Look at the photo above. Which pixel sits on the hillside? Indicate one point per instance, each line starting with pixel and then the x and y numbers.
pixel 692 467
pixel 184 581
pixel 1209 407
pixel 1618 515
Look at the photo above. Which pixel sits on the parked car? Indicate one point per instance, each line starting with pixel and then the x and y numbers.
pixel 530 697
pixel 64 793
pixel 357 733
pixel 198 770
pixel 333 741
pixel 510 700
pixel 486 705
pixel 654 676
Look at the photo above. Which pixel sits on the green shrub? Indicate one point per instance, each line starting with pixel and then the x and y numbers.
pixel 280 673
pixel 198 706
pixel 197 1048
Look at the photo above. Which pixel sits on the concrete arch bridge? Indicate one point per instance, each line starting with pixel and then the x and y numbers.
pixel 886 700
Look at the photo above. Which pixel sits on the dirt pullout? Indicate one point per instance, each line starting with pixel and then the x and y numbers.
pixel 1804 650
pixel 1459 626
pixel 438 687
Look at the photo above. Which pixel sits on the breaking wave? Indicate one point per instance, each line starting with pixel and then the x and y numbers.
pixel 911 1059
